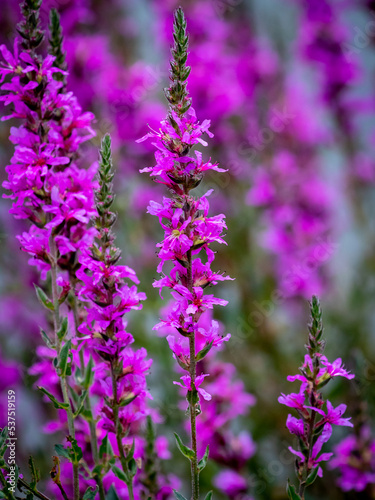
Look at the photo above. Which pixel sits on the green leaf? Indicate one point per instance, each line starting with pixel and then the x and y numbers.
pixel 105 447
pixel 89 374
pixel 3 436
pixel 46 339
pixel 131 451
pixel 291 491
pixel 203 461
pixel 90 493
pixel 43 299
pixel 312 476
pixel 57 404
pixel 112 494
pixel 75 451
pixel 187 452
pixel 201 354
pixel 63 452
pixel 80 405
pixel 63 358
pixel 35 475
pixel 178 495
pixel 120 474
pixel 208 496
pixel 132 467
pixel 2 495
pixel 63 330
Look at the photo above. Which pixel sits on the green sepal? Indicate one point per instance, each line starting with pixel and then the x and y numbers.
pixel 90 493
pixel 208 496
pixel 203 461
pixel 43 299
pixel 291 491
pixel 201 354
pixel 57 404
pixel 187 452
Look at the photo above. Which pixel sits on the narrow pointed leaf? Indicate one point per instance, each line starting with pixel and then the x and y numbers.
pixel 187 452
pixel 90 493
pixel 120 474
pixel 291 491
pixel 203 461
pixel 57 404
pixel 43 299
pixel 178 495
pixel 312 476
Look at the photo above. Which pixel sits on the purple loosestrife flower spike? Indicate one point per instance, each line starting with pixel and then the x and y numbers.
pixel 29 28
pixel 313 427
pixel 109 298
pixel 188 230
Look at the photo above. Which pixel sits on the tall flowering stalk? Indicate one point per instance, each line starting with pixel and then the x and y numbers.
pixel 313 428
pixel 188 231
pixel 110 298
pixel 46 185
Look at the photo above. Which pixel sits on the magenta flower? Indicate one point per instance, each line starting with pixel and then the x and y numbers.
pixel 333 415
pixel 186 384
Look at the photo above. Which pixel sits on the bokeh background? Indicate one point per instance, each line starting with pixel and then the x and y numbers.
pixel 289 88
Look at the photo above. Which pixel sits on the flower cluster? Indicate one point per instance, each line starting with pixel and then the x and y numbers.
pixel 121 371
pixel 313 427
pixel 188 230
pixel 355 460
pixel 47 186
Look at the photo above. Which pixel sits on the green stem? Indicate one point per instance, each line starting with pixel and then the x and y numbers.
pixel 193 414
pixel 93 436
pixel 120 446
pixel 193 426
pixel 35 492
pixel 63 380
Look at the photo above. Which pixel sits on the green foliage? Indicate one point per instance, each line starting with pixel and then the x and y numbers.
pixel 203 461
pixel 187 452
pixel 57 404
pixel 43 299
pixel 178 495
pixel 291 491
